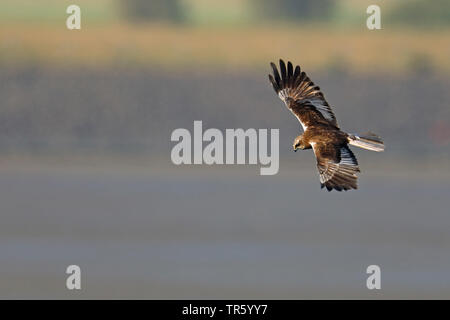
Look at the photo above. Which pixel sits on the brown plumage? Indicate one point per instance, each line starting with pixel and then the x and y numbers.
pixel 336 163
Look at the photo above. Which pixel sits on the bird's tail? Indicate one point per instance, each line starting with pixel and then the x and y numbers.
pixel 369 141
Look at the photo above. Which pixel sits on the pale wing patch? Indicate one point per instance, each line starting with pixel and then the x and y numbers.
pixel 283 95
pixel 347 158
pixel 324 109
pixel 339 176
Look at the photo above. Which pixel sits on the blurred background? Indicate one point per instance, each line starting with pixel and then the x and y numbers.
pixel 85 171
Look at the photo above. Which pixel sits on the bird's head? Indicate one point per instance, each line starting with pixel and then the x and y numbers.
pixel 297 143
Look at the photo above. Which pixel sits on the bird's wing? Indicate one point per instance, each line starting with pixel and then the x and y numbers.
pixel 337 166
pixel 300 95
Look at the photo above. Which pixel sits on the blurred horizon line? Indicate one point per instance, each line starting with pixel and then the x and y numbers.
pixel 170 46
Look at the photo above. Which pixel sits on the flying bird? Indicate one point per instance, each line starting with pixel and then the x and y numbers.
pixel 336 163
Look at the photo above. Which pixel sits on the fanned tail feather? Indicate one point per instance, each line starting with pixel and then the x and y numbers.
pixel 369 141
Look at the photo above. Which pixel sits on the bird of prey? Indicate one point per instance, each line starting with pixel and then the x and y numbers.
pixel 336 163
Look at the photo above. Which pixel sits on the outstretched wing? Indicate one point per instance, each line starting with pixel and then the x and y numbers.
pixel 337 166
pixel 301 96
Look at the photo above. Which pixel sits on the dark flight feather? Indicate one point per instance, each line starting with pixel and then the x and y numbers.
pixel 297 90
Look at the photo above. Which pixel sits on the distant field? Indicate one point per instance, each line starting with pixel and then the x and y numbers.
pixel 359 51
pixel 217 36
